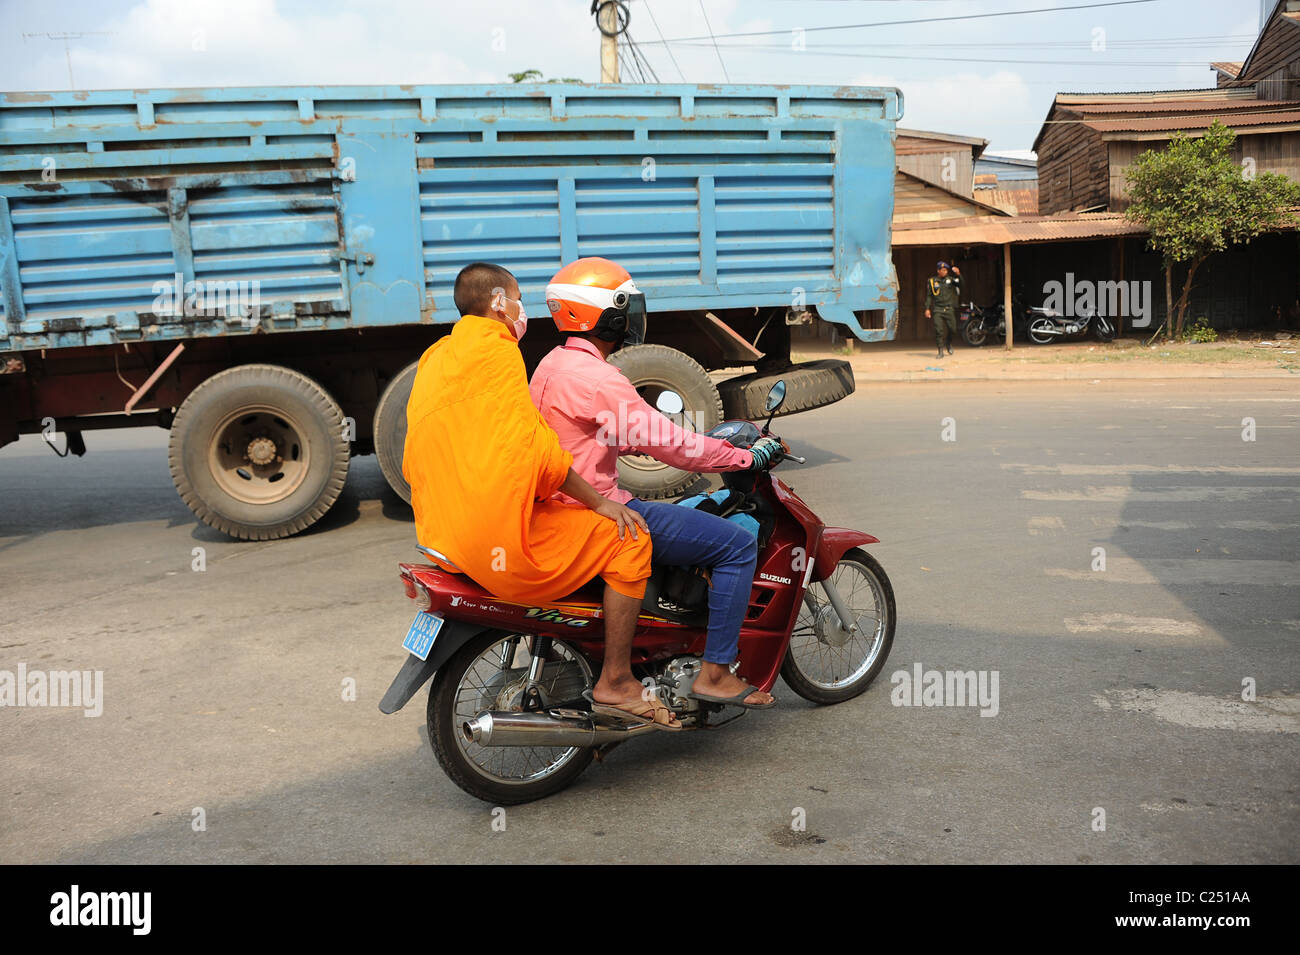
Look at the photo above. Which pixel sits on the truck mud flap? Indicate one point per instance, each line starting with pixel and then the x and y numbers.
pixel 809 384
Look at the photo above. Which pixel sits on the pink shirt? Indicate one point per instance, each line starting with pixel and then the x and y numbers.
pixel 598 415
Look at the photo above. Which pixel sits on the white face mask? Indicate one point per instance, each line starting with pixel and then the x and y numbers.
pixel 521 323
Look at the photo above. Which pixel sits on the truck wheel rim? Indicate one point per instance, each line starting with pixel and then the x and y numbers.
pixel 257 455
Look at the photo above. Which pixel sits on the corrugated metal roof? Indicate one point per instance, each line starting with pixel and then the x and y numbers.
pixel 1068 98
pixel 980 230
pixel 1177 106
pixel 1005 195
pixel 1232 69
pixel 1152 123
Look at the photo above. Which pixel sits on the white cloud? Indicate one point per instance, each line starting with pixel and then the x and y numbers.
pixel 182 43
pixel 968 104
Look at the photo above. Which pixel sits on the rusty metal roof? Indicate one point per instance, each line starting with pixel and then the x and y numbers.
pixel 1223 66
pixel 1178 106
pixel 1279 117
pixel 986 230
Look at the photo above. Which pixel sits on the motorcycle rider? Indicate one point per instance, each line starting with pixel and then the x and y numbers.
pixel 943 298
pixel 476 446
pixel 598 415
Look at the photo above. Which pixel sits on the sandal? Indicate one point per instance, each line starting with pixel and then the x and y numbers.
pixel 653 712
pixel 737 700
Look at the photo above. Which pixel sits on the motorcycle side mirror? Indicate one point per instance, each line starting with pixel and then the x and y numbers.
pixel 669 402
pixel 775 398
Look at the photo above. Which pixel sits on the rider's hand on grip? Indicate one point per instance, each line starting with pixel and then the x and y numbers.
pixel 766 452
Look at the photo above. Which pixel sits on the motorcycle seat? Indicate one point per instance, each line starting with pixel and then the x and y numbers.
pixel 591 593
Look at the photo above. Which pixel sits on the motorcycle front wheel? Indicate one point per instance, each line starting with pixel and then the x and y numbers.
pixel 490 673
pixel 1039 331
pixel 1103 329
pixel 827 664
pixel 975 333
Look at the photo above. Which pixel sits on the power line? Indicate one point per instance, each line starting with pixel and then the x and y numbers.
pixel 639 62
pixel 1152 42
pixel 888 23
pixel 871 55
pixel 715 42
pixel 650 10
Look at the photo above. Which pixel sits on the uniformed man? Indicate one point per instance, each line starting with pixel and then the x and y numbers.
pixel 942 298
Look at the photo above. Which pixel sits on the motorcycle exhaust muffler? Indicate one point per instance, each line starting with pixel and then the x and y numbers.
pixel 553 728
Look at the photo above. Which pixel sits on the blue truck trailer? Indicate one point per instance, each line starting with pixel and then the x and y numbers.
pixel 259 269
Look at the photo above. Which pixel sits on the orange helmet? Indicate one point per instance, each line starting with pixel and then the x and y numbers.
pixel 597 296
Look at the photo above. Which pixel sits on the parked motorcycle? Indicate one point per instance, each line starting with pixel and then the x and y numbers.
pixel 978 324
pixel 507 716
pixel 1049 324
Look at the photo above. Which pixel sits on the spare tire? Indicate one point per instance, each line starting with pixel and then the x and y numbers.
pixel 808 385
pixel 390 429
pixel 653 369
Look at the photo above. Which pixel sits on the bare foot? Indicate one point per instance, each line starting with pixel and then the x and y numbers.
pixel 614 693
pixel 716 680
pixel 630 696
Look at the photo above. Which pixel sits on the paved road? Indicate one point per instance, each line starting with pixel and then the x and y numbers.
pixel 1119 690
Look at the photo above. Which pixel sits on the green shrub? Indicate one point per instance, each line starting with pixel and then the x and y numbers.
pixel 1200 331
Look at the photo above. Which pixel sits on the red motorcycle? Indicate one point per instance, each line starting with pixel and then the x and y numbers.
pixel 507 715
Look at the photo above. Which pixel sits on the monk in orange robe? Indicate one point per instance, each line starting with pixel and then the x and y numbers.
pixel 483 465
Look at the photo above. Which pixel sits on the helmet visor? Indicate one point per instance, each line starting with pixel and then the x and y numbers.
pixel 635 320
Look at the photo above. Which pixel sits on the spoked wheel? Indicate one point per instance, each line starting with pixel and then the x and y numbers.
pixel 490 673
pixel 1103 329
pixel 975 333
pixel 826 663
pixel 1040 331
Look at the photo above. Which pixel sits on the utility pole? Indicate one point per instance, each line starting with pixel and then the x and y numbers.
pixel 67 50
pixel 611 19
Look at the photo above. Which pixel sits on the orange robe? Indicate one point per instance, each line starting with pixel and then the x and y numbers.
pixel 482 465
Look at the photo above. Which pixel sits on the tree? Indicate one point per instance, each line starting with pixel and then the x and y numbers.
pixel 1195 200
pixel 535 76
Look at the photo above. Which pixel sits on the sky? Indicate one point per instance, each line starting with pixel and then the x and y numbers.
pixel 987 76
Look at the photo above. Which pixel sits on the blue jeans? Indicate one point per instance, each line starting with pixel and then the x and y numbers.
pixel 685 537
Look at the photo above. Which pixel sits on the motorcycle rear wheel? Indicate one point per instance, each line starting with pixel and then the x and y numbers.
pixel 814 667
pixel 475 679
pixel 1037 333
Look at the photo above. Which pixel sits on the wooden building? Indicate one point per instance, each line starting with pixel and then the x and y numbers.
pixel 944 159
pixel 1089 140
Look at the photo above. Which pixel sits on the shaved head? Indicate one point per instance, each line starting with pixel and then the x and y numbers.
pixel 477 284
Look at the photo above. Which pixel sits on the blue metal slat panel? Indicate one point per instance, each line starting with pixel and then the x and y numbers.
pixel 283 240
pixel 79 258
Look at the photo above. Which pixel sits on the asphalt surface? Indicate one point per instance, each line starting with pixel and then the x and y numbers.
pixel 1119 689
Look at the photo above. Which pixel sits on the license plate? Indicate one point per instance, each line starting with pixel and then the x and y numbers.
pixel 419 639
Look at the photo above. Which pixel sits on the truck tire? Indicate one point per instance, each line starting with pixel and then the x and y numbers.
pixel 259 452
pixel 653 369
pixel 390 429
pixel 808 385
